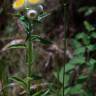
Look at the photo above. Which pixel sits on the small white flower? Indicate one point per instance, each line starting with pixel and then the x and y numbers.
pixel 31 14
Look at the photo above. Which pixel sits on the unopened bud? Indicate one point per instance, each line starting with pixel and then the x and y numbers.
pixel 40 8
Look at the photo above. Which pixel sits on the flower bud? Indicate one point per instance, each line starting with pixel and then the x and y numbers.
pixel 40 8
pixel 31 14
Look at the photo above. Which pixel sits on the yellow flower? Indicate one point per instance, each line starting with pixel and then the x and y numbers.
pixel 18 4
pixel 34 2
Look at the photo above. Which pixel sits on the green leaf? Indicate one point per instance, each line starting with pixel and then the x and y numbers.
pixel 80 50
pixel 66 79
pixel 87 10
pixel 42 16
pixel 19 81
pixel 77 89
pixel 41 93
pixel 84 37
pixel 38 93
pixel 40 39
pixel 17 46
pixel 92 61
pixel 81 79
pixel 69 67
pixel 91 47
pixel 18 43
pixel 75 43
pixel 67 90
pixel 93 34
pixel 92 64
pixel 77 60
pixel 61 73
pixel 88 26
pixel 81 35
pixel 90 10
pixel 22 18
pixel 27 79
pixel 44 41
pixel 46 93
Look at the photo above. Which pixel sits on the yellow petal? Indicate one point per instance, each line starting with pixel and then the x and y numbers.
pixel 33 2
pixel 18 4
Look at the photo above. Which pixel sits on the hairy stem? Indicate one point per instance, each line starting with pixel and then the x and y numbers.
pixel 30 59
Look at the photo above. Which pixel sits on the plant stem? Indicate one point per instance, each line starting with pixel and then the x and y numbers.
pixel 65 38
pixel 5 82
pixel 58 77
pixel 30 59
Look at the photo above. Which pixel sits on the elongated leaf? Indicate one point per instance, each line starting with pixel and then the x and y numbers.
pixel 40 39
pixel 27 79
pixel 18 43
pixel 66 79
pixel 46 93
pixel 42 16
pixel 17 46
pixel 38 93
pixel 19 81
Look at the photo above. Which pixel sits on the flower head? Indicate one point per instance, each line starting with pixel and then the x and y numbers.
pixel 31 14
pixel 21 4
pixel 18 4
pixel 34 2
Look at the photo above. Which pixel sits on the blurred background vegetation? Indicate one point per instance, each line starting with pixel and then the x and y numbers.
pixel 47 70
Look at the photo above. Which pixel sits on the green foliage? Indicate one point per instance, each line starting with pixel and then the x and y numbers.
pixel 87 10
pixel 83 47
pixel 78 69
